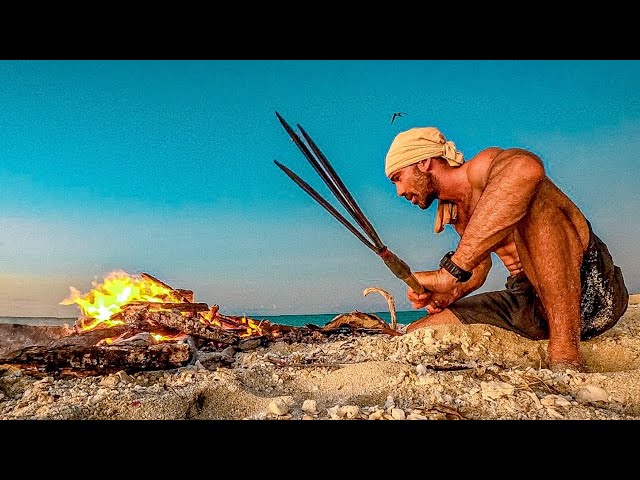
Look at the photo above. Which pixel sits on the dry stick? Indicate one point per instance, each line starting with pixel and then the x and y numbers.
pixel 162 284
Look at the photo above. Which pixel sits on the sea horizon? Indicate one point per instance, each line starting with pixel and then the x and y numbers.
pixel 296 320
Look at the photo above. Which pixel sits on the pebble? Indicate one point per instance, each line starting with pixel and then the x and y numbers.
pixel 310 406
pixel 278 407
pixel 591 393
pixel 398 414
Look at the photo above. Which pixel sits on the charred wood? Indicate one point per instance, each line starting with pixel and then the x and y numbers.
pixel 144 318
pixel 182 295
pixel 14 336
pixel 100 360
pixel 183 307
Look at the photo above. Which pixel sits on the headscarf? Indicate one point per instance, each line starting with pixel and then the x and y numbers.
pixel 416 144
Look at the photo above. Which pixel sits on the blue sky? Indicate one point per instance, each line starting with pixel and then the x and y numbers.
pixel 166 167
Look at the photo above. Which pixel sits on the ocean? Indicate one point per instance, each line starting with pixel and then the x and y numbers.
pixel 320 319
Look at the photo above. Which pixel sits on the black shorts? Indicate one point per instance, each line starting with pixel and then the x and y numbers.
pixel 604 299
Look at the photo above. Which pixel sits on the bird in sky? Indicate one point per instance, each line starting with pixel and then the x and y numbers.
pixel 397 114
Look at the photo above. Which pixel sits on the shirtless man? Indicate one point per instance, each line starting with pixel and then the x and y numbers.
pixel 563 285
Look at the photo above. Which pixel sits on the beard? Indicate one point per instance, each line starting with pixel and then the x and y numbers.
pixel 426 188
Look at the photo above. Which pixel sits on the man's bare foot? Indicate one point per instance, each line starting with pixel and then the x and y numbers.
pixel 560 366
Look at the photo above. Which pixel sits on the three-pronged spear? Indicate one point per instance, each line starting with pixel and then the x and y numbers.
pixel 322 166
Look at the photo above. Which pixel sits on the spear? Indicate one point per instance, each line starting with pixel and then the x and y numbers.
pixel 321 165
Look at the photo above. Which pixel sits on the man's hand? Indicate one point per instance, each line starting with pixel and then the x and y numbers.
pixel 442 287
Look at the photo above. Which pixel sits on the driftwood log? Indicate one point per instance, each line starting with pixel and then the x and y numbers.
pixel 356 321
pixel 132 346
pixel 14 336
pixel 141 317
pixel 100 360
pixel 87 352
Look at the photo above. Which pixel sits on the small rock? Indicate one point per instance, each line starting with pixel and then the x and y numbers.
pixel 429 341
pixel 390 403
pixel 278 407
pixel 351 411
pixel 552 412
pixel 110 381
pixel 310 406
pixel 335 413
pixel 398 414
pixel 535 399
pixel 416 416
pixel 590 393
pixel 494 390
pixel 377 415
pixel 124 377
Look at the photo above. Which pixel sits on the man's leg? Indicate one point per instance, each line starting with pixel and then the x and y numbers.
pixel 551 239
pixel 445 316
pixel 516 308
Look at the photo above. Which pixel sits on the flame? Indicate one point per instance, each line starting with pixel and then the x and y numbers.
pixel 249 325
pixel 252 327
pixel 107 299
pixel 156 336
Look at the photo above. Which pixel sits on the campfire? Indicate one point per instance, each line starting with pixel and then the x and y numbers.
pixel 137 322
pixel 146 303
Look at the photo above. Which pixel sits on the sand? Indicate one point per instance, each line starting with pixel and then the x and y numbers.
pixel 451 372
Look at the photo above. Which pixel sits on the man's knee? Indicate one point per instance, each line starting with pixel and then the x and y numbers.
pixel 445 316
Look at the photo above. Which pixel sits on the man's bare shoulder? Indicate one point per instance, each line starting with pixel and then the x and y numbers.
pixel 485 160
pixel 480 164
pixel 510 153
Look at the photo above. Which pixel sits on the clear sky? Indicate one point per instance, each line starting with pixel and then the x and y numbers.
pixel 167 167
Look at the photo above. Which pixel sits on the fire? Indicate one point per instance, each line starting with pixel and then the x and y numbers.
pixel 107 299
pixel 101 306
pixel 156 337
pixel 250 326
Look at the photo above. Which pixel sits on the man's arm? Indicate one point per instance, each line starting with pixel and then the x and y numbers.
pixel 512 179
pixel 435 300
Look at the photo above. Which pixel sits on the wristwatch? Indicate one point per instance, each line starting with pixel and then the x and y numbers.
pixel 453 269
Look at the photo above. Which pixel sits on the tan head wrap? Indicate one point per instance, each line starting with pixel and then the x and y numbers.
pixel 416 144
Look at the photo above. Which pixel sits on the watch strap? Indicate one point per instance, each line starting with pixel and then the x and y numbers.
pixel 453 269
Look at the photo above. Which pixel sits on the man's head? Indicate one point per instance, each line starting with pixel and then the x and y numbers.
pixel 412 156
pixel 411 146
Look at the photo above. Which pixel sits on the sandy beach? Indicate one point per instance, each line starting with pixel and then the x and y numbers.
pixel 450 372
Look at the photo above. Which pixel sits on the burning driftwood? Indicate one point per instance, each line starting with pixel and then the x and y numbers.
pixel 128 324
pixel 148 317
pixel 135 324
